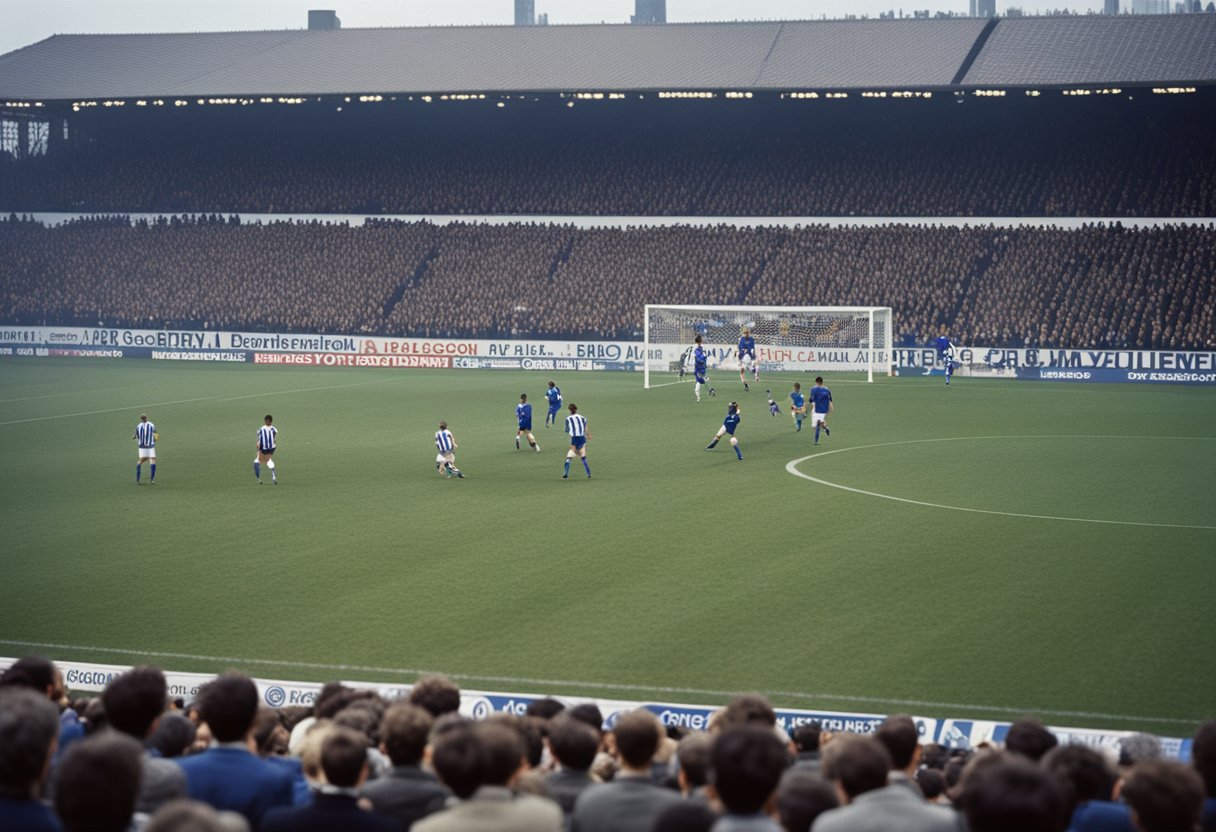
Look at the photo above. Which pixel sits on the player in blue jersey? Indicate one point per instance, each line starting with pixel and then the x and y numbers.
pixel 523 416
pixel 773 407
pixel 821 399
pixel 728 426
pixel 146 436
pixel 268 438
pixel 945 353
pixel 576 426
pixel 554 395
pixel 700 367
pixel 445 460
pixel 797 406
pixel 747 358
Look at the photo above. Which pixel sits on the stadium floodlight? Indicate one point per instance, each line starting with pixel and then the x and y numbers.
pixel 788 339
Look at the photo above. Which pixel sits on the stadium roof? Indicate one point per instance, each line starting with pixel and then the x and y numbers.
pixel 849 54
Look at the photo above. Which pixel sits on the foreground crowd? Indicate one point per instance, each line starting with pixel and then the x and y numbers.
pixel 1098 286
pixel 133 760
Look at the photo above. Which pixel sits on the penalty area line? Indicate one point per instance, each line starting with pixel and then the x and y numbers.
pixel 613 686
pixel 792 467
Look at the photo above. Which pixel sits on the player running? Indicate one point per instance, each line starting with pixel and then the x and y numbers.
pixel 821 399
pixel 554 395
pixel 146 435
pixel 445 461
pixel 945 353
pixel 773 407
pixel 728 426
pixel 576 426
pixel 268 438
pixel 747 358
pixel 523 416
pixel 797 406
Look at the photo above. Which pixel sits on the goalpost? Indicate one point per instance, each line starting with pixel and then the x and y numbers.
pixel 788 339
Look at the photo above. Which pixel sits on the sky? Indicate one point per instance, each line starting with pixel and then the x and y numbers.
pixel 23 22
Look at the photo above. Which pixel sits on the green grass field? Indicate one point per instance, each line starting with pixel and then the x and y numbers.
pixel 672 575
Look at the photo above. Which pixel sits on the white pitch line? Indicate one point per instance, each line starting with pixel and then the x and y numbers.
pixel 618 686
pixel 792 467
pixel 188 401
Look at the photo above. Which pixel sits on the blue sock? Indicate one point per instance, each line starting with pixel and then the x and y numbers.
pixel 257 470
pixel 738 452
pixel 585 465
pixel 799 424
pixel 567 470
pixel 138 468
pixel 153 477
pixel 816 433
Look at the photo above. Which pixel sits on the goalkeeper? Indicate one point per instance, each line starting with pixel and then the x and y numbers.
pixel 747 358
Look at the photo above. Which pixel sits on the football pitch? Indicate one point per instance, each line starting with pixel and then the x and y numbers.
pixel 987 550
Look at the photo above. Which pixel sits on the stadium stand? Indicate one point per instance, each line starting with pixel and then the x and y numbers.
pixel 1095 286
pixel 488 763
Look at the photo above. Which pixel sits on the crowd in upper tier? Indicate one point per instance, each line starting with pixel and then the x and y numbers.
pixel 131 760
pixel 1098 286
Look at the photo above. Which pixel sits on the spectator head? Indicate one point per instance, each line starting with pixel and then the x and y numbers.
pixel 1081 773
pixel 269 735
pixel 1203 756
pixel 310 750
pixel 856 765
pixel 344 758
pixel 404 732
pixel 172 735
pixel 361 716
pixel 932 783
pixel 191 816
pixel 694 755
pixel 37 673
pixel 98 782
pixel 749 709
pixel 436 694
pixel 503 750
pixel 1009 793
pixel 228 705
pixel 1165 796
pixel 546 708
pixel 934 755
pixel 747 763
pixel 457 758
pixel 134 700
pixel 685 817
pixel 1030 738
pixel 572 742
pixel 29 727
pixel 801 797
pixel 637 737
pixel 899 736
pixel 589 713
pixel 806 736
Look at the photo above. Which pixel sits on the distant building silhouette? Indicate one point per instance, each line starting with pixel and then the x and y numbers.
pixel 649 11
pixel 323 20
pixel 1112 7
pixel 525 12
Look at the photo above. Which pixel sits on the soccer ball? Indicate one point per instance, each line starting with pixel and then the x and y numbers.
pixel 713 392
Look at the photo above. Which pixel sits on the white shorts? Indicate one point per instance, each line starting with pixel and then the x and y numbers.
pixel 746 362
pixel 449 458
pixel 818 418
pixel 147 453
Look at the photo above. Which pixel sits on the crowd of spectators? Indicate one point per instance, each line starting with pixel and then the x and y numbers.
pixel 354 761
pixel 1096 286
pixel 1133 155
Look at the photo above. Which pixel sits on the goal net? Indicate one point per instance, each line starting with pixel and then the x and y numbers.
pixel 802 339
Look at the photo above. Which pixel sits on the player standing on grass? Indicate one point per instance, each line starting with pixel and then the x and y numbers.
pixel 797 406
pixel 747 358
pixel 728 426
pixel 554 395
pixel 523 415
pixel 268 436
pixel 576 426
pixel 146 435
pixel 700 367
pixel 445 461
pixel 821 398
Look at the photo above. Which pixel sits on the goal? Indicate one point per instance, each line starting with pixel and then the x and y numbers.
pixel 788 339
